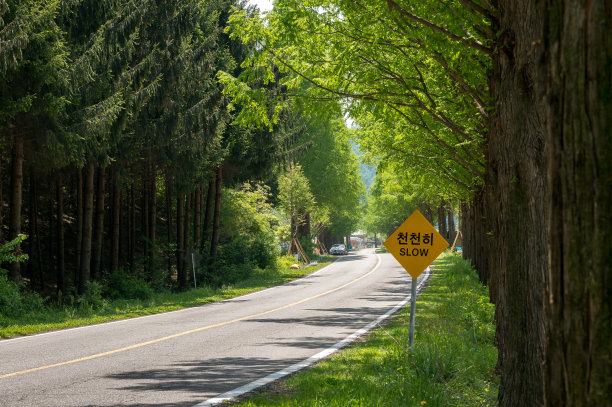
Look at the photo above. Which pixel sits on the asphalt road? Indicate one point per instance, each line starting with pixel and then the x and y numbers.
pixel 185 357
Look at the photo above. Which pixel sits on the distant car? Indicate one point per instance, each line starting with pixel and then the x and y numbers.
pixel 338 249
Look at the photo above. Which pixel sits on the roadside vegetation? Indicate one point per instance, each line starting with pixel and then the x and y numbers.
pixel 452 363
pixel 24 312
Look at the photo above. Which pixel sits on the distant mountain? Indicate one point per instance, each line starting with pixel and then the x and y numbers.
pixel 368 173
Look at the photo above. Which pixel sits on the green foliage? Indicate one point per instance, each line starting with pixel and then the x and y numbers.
pixel 93 298
pixel 7 251
pixel 247 237
pixel 15 300
pixel 294 195
pixel 120 285
pixel 390 202
pixel 412 75
pixel 332 168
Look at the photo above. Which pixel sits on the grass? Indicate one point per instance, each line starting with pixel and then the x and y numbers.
pixel 452 363
pixel 85 312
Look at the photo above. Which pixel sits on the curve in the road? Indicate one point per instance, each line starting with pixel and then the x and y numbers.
pixel 232 394
pixel 191 331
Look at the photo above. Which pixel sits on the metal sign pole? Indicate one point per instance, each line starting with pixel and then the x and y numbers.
pixel 413 287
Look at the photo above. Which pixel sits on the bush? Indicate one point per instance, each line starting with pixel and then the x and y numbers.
pixel 246 238
pixel 15 300
pixel 120 285
pixel 92 298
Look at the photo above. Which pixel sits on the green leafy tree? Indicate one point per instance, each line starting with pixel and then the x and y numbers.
pixel 295 197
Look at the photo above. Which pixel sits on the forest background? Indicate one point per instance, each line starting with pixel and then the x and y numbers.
pixel 133 132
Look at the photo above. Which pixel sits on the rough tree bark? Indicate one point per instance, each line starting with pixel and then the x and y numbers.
pixel 132 229
pixel 60 267
pixel 116 222
pixel 88 209
pixel 442 221
pixel 145 219
pixel 79 225
pixel 180 236
pixel 208 213
pixel 216 220
pixel 99 224
pixel 1 198
pixel 187 223
pixel 577 85
pixel 16 200
pixel 197 218
pixel 152 219
pixel 34 250
pixel 515 194
pixel 451 226
pixel 169 220
pixel 187 235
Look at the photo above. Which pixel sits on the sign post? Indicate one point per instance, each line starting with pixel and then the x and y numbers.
pixel 415 245
pixel 193 257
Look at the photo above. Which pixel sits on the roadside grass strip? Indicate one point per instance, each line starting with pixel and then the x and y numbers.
pixel 452 363
pixel 55 317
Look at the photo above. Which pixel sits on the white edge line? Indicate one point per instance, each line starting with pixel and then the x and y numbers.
pixel 311 360
pixel 60 331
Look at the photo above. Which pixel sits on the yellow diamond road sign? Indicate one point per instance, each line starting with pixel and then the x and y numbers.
pixel 415 244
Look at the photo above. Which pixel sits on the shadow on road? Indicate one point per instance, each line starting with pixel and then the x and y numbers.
pixel 197 379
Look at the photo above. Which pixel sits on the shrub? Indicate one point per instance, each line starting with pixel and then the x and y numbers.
pixel 246 238
pixel 15 300
pixel 92 298
pixel 120 285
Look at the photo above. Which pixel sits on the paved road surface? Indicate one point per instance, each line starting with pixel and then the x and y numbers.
pixel 184 357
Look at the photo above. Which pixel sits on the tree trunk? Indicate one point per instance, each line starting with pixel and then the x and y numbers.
pixel 99 226
pixel 16 201
pixel 428 213
pixel 442 221
pixel 79 231
pixel 132 229
pixel 60 268
pixel 327 238
pixel 515 196
pixel 451 226
pixel 88 209
pixel 1 198
pixel 208 213
pixel 34 250
pixel 116 222
pixel 577 86
pixel 152 220
pixel 187 230
pixel 216 221
pixel 187 234
pixel 144 221
pixel 303 229
pixel 197 218
pixel 180 241
pixel 169 221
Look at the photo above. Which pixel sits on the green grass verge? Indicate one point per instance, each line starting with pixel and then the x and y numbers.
pixel 452 363
pixel 85 313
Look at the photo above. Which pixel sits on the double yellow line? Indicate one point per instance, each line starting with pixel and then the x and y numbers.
pixel 191 331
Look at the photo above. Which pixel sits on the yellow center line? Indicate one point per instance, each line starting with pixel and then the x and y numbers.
pixel 191 331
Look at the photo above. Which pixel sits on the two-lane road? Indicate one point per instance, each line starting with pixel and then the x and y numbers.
pixel 189 356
